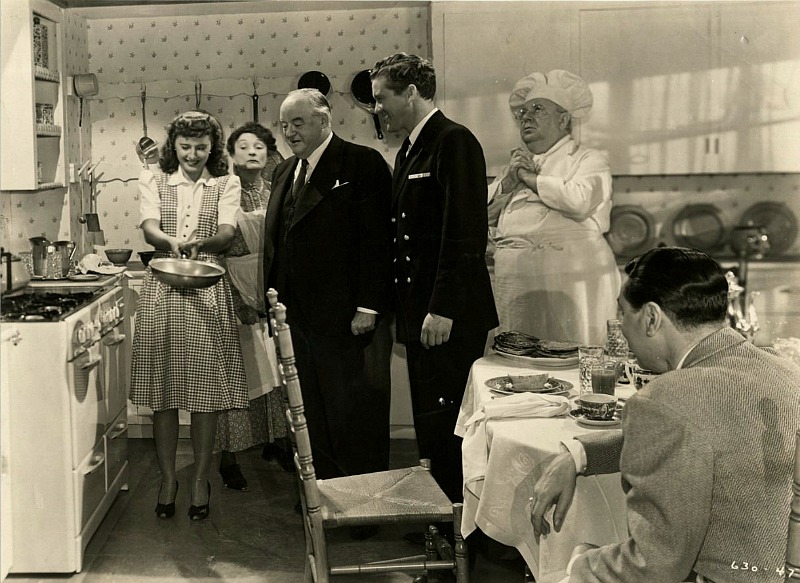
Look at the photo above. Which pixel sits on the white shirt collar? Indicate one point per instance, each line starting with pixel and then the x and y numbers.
pixel 313 158
pixel 412 137
pixel 179 177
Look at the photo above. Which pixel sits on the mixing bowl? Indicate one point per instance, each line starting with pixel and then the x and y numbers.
pixel 119 257
pixel 186 273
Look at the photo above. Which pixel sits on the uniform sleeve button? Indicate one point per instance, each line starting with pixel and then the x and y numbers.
pixel 406 237
pixel 394 220
pixel 395 280
pixel 408 258
pixel 408 280
pixel 402 215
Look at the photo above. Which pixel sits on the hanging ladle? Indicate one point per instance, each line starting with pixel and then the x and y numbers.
pixel 146 148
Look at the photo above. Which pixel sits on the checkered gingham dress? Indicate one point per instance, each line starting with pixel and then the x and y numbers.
pixel 186 352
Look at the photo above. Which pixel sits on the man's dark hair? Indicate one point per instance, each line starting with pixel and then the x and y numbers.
pixel 687 284
pixel 401 70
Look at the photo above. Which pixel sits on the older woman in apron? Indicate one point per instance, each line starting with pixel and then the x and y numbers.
pixel 555 274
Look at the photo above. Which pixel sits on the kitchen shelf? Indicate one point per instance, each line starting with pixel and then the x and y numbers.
pixel 33 155
pixel 44 74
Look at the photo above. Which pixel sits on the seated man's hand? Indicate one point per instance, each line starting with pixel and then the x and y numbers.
pixel 362 323
pixel 555 487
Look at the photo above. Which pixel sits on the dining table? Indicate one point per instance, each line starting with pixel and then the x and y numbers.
pixel 504 456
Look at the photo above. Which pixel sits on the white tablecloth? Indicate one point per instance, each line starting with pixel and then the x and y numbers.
pixel 519 449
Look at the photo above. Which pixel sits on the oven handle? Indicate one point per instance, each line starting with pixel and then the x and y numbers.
pixel 118 340
pixel 97 461
pixel 90 364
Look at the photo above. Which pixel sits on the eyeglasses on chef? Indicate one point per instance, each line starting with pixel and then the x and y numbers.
pixel 536 111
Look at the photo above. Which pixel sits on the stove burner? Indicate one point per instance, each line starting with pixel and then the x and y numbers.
pixel 40 306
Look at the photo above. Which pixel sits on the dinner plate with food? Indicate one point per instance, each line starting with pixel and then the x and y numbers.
pixel 542 384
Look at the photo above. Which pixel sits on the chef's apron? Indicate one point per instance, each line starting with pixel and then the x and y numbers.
pixel 558 279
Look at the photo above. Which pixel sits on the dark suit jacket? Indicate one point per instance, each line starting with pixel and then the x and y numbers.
pixel 706 463
pixel 439 212
pixel 338 244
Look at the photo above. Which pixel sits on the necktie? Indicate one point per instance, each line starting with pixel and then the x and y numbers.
pixel 301 179
pixel 401 155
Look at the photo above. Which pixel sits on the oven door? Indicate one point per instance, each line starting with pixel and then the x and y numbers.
pixel 87 401
pixel 115 375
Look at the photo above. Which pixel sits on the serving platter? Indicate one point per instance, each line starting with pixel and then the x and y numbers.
pixel 540 361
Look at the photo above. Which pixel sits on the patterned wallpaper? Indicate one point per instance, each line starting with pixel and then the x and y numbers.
pixel 54 214
pixel 218 62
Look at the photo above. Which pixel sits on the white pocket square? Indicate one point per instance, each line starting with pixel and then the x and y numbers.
pixel 420 175
pixel 338 184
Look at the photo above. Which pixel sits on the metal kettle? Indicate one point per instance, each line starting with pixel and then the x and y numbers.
pixel 13 275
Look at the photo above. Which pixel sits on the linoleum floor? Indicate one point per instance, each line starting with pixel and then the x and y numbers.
pixel 250 537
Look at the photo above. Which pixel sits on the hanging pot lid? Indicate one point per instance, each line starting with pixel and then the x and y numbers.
pixel 632 230
pixel 699 226
pixel 315 80
pixel 777 220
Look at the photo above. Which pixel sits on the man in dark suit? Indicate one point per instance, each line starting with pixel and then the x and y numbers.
pixel 326 251
pixel 442 295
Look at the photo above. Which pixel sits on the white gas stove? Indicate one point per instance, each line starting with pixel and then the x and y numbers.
pixel 64 364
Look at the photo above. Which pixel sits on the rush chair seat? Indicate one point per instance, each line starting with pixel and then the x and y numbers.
pixel 407 495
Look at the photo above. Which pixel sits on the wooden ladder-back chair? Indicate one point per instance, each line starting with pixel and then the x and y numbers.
pixel 407 495
pixel 792 572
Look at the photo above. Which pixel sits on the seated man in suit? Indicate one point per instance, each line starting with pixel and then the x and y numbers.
pixel 707 454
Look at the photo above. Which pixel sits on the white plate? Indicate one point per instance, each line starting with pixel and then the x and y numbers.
pixel 503 393
pixel 84 277
pixel 579 417
pixel 543 362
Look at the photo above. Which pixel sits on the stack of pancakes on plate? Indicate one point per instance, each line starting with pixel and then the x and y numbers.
pixel 521 344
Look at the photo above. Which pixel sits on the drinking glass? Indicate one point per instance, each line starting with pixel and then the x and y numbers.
pixel 588 354
pixel 604 376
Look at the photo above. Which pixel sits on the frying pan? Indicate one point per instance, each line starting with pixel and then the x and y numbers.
pixel 315 80
pixel 361 89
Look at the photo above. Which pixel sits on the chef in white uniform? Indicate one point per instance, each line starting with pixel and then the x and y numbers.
pixel 555 274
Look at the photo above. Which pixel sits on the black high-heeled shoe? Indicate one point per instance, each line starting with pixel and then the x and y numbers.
pixel 166 510
pixel 201 512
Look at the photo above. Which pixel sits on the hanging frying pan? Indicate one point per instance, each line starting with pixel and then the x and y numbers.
pixel 361 90
pixel 699 226
pixel 315 80
pixel 146 147
pixel 777 220
pixel 632 230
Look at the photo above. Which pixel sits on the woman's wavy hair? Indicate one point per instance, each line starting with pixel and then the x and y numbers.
pixel 195 124
pixel 259 131
pixel 687 284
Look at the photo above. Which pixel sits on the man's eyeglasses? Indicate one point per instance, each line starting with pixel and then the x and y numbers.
pixel 535 111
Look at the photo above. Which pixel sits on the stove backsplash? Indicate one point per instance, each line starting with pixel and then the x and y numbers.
pixel 663 197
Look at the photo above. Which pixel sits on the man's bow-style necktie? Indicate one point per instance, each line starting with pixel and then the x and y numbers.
pixel 301 179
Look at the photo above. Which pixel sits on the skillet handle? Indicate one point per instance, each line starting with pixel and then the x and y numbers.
pixel 377 126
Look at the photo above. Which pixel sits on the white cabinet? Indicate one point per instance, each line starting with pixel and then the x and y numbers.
pixel 10 338
pixel 694 88
pixel 481 49
pixel 32 142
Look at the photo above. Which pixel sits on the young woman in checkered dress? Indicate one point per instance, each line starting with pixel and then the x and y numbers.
pixel 186 352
